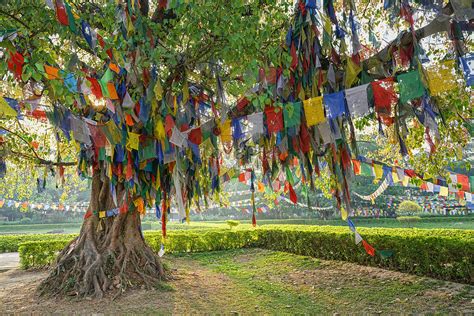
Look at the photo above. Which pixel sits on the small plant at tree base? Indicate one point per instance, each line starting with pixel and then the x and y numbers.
pixel 232 223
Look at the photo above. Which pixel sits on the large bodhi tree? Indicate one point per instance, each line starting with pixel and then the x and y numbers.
pixel 210 48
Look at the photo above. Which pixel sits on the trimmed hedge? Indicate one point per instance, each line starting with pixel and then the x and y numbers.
pixel 440 253
pixel 10 243
pixel 37 254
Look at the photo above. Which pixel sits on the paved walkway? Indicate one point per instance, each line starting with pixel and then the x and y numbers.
pixel 9 260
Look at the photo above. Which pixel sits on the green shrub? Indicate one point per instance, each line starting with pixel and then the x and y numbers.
pixel 408 219
pixel 232 223
pixel 408 207
pixel 37 254
pixel 440 253
pixel 10 243
pixel 25 220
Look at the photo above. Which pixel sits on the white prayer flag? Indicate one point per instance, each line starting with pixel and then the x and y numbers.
pixel 357 100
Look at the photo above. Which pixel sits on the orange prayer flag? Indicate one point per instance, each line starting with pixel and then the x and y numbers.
pixel 114 68
pixel 368 248
pixel 261 187
pixel 112 91
pixel 129 120
pixel 53 73
pixel 356 166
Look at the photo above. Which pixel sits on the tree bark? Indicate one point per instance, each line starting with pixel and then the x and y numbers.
pixel 109 254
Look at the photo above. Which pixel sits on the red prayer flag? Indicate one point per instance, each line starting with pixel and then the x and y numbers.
pixel 15 64
pixel 293 196
pixel 368 248
pixel 254 220
pixel 464 182
pixel 95 87
pixel 242 177
pixel 410 173
pixel 88 214
pixel 61 13
pixel 274 119
pixel 195 136
pixel 356 166
pixel 384 95
pixel 242 103
pixel 305 138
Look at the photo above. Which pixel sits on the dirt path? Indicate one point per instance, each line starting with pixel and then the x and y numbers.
pixel 254 281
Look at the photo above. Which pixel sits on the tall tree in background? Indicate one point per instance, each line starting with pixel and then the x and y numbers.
pixel 146 91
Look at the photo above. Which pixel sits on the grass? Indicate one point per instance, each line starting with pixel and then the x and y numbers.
pixel 466 222
pixel 292 284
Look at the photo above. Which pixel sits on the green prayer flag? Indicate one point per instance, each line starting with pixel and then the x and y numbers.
pixel 366 169
pixel 70 17
pixel 385 254
pixel 289 176
pixel 410 86
pixel 292 114
pixel 147 152
pixel 471 183
pixel 101 154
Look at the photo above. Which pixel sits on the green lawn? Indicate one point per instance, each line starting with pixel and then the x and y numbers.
pixel 466 222
pixel 271 282
pixel 256 281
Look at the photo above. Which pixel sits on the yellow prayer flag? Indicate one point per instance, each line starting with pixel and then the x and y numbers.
pixel 133 141
pixel 314 111
pixel 405 181
pixel 5 109
pixel 226 131
pixel 159 129
pixel 443 191
pixel 140 205
pixel 343 214
pixel 395 177
pixel 441 78
pixel 101 214
pixel 158 90
pixel 352 70
pixel 378 170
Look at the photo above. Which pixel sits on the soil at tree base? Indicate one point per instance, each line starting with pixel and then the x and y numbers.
pixel 254 281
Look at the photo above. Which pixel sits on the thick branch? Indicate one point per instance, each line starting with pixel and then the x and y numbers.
pixel 45 162
pixel 36 157
pixel 439 24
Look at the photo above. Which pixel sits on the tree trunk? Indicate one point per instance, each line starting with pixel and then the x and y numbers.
pixel 109 253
